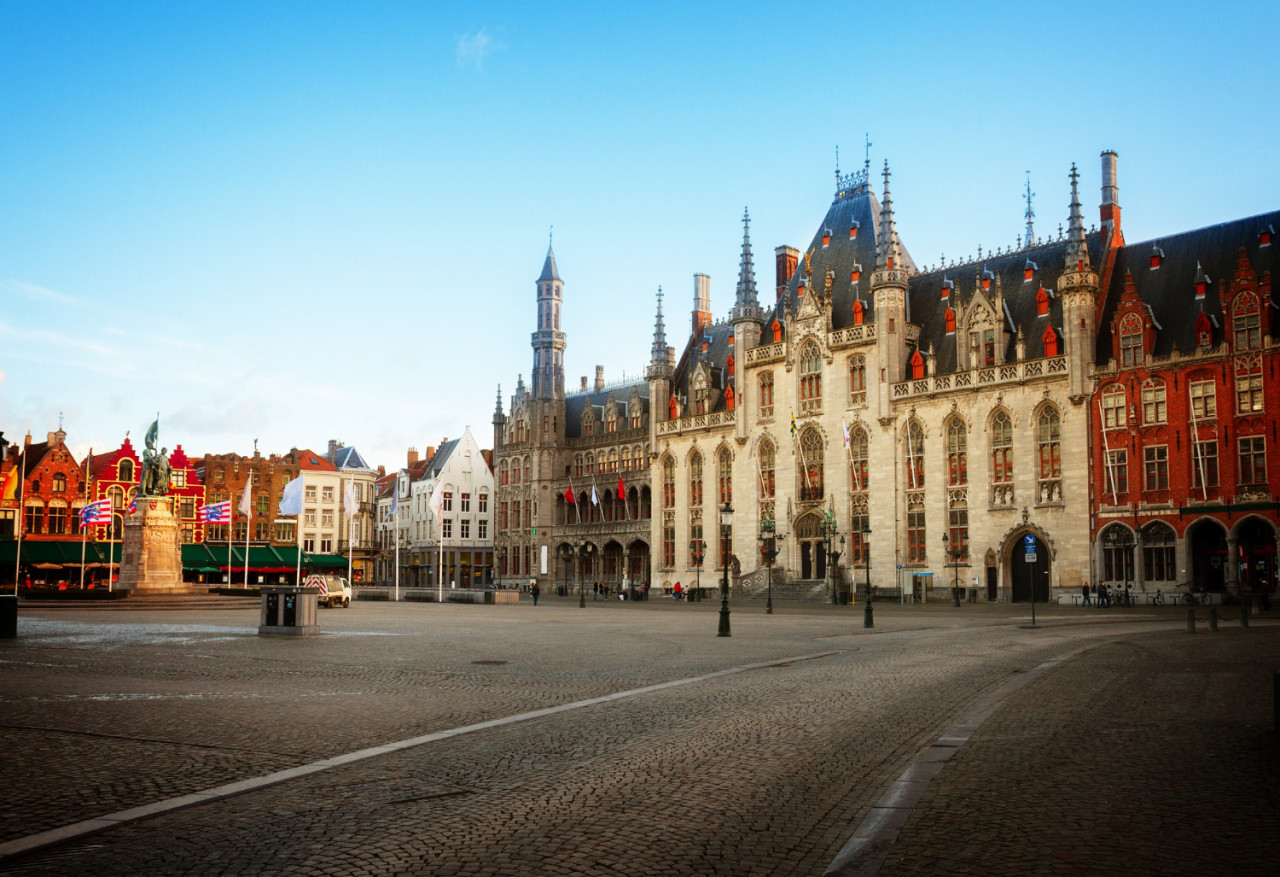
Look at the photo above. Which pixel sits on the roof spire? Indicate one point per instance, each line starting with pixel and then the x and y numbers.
pixel 1077 248
pixel 658 354
pixel 866 162
pixel 746 297
pixel 549 267
pixel 1031 214
pixel 497 410
pixel 887 241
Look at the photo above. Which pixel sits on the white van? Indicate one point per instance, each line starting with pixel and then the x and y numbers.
pixel 339 592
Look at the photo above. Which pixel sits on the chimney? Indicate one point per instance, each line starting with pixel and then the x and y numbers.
pixel 382 471
pixel 786 258
pixel 599 378
pixel 413 456
pixel 584 383
pixel 53 438
pixel 334 444
pixel 701 303
pixel 431 452
pixel 1110 209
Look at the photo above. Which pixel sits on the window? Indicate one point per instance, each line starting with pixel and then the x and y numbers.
pixel 1249 385
pixel 466 503
pixel 1158 557
pixel 611 420
pixel 949 321
pixel 811 480
pixel 626 459
pixel 725 473
pixel 285 532
pixel 1002 449
pixel 915 456
pixel 915 533
pixel 59 483
pixel 1253 460
pixel 767 463
pixel 310 517
pixel 697 547
pixel 309 543
pixel 669 484
pixel 1153 402
pixel 1050 444
pixel 1131 342
pixel 448 501
pixel 1155 467
pixel 958 534
pixel 57 520
pixel 1204 464
pixel 464 528
pixel 1204 403
pixel 858 448
pixel 982 348
pixel 1118 472
pixel 218 474
pixel 261 530
pixel 1113 413
pixel 635 416
pixel 502 517
pixel 957 454
pixel 810 377
pixel 483 504
pixel 187 507
pixel 695 480
pixel 125 470
pixel 310 493
pixel 1117 553
pixel 446 528
pixel 326 518
pixel 1245 323
pixel 858 546
pixel 729 365
pixel 859 313
pixel 178 478
pixel 766 396
pixel 917 365
pixel 668 546
pixel 857 380
pixel 482 529
pixel 1050 341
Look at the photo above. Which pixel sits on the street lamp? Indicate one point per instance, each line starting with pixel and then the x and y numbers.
pixel 868 620
pixel 769 540
pixel 697 551
pixel 726 530
pixel 954 551
pixel 584 552
pixel 827 526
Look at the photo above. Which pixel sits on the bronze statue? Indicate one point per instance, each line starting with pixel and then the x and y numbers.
pixel 155 466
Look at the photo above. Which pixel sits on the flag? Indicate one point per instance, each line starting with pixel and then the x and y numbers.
pixel 9 489
pixel 568 495
pixel 96 513
pixel 218 513
pixel 349 500
pixel 793 424
pixel 437 500
pixel 622 493
pixel 246 501
pixel 846 433
pixel 395 497
pixel 291 497
pixel 133 503
pixel 595 500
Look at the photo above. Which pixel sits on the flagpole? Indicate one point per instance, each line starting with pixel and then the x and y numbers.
pixel 84 534
pixel 397 534
pixel 22 477
pixel 247 502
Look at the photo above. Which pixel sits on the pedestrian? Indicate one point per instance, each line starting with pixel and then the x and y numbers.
pixel 1103 600
pixel 676 591
pixel 535 591
pixel 1084 589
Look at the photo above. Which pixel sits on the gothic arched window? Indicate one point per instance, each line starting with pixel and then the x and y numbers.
pixel 695 480
pixel 957 453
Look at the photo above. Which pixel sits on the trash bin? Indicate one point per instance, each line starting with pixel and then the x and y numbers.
pixel 288 610
pixel 973 595
pixel 9 616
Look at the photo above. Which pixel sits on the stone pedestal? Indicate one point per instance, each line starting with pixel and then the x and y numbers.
pixel 151 560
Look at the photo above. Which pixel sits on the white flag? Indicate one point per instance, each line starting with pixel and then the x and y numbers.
pixel 437 499
pixel 246 501
pixel 291 497
pixel 595 499
pixel 395 497
pixel 846 433
pixel 349 500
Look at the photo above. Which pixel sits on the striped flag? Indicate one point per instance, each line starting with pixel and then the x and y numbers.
pixel 133 503
pixel 217 513
pixel 793 424
pixel 96 513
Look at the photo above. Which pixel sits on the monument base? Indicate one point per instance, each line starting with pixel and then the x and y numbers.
pixel 151 560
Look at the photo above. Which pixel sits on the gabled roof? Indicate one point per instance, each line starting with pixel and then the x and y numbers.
pixel 576 403
pixel 716 337
pixel 308 460
pixel 349 458
pixel 433 467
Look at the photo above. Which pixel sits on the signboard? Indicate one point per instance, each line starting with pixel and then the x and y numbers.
pixel 1029 544
pixel 543 558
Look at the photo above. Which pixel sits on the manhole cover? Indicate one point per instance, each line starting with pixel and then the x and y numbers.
pixel 490 663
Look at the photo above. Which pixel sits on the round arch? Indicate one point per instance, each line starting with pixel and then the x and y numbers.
pixel 1255 556
pixel 1206 541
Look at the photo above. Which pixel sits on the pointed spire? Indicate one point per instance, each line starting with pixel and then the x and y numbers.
pixel 658 354
pixel 497 409
pixel 549 267
pixel 746 271
pixel 1078 247
pixel 887 242
pixel 1031 214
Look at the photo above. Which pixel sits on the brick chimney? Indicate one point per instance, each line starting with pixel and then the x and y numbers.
pixel 1110 208
pixel 701 303
pixel 599 378
pixel 413 456
pixel 786 260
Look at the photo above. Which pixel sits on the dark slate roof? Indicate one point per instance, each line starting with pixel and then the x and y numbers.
pixel 576 403
pixel 349 458
pixel 927 309
pixel 717 337
pixel 549 267
pixel 434 466
pixel 1169 291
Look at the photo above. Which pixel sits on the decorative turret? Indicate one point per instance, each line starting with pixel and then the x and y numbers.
pixel 746 298
pixel 549 342
pixel 889 297
pixel 499 421
pixel 1079 288
pixel 659 374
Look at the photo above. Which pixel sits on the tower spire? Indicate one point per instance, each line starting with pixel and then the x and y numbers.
pixel 1077 247
pixel 658 353
pixel 497 409
pixel 1031 214
pixel 746 297
pixel 887 243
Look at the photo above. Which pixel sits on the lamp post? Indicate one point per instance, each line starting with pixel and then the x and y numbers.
pixel 769 540
pixel 954 551
pixel 584 552
pixel 868 619
pixel 827 526
pixel 697 551
pixel 726 530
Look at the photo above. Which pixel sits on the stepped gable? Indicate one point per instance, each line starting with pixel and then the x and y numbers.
pixel 1169 291
pixel 927 309
pixel 716 336
pixel 576 403
pixel 853 204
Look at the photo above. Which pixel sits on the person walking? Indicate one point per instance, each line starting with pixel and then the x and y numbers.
pixel 535 591
pixel 675 592
pixel 1084 589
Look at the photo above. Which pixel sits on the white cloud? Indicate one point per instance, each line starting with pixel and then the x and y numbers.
pixel 37 293
pixel 474 48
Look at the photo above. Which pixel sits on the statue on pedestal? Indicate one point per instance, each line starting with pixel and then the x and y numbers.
pixel 155 466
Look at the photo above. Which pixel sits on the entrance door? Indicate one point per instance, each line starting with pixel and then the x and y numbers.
pixel 1208 556
pixel 806 560
pixel 1025 575
pixel 993 586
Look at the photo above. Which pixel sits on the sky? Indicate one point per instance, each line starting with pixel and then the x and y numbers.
pixel 296 222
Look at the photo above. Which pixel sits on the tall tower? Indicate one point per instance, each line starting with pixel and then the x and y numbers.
pixel 747 318
pixel 548 342
pixel 659 374
pixel 889 297
pixel 1079 290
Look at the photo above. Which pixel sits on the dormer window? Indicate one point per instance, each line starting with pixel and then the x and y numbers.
pixel 949 320
pixel 1264 237
pixel 1042 302
pixel 777 331
pixel 917 365
pixel 728 398
pixel 946 290
pixel 1204 331
pixel 826 238
pixel 731 340
pixel 857 312
pixel 1131 342
pixel 1029 270
pixel 1201 286
pixel 856 274
pixel 853 231
pixel 728 364
pixel 986 278
pixel 1157 256
pixel 1050 339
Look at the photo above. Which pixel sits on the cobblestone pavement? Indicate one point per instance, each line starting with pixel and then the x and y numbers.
pixel 764 771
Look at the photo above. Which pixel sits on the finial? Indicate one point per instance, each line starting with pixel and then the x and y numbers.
pixel 59 421
pixel 550 234
pixel 1031 214
pixel 837 165
pixel 866 163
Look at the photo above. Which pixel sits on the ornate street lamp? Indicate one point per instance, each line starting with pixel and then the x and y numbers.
pixel 954 551
pixel 726 530
pixel 868 620
pixel 697 551
pixel 827 526
pixel 769 540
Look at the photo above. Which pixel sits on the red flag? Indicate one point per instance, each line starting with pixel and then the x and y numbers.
pixel 622 493
pixel 568 494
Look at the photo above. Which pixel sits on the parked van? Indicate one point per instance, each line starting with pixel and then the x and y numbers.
pixel 339 592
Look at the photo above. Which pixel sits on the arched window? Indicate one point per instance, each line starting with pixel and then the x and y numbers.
pixel 1246 324
pixel 695 480
pixel 766 396
pixel 668 482
pixel 611 419
pixel 810 377
pixel 626 459
pixel 1050 340
pixel 504 475
pixel 1153 402
pixel 917 365
pixel 725 475
pixel 957 453
pixel 591 463
pixel 635 415
pixel 613 461
pixel 1130 342
pixel 126 470
pixel 811 451
pixel 916 532
pixel 766 469
pixel 1002 449
pixel 1159 562
pixel 1113 408
pixel 858 448
pixel 1249 384
pixel 857 377
pixel 1050 442
pixel 915 455
pixel 59 483
pixel 1117 553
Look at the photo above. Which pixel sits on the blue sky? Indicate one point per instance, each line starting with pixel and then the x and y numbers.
pixel 297 222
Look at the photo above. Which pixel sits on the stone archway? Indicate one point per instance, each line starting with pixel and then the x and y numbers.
pixel 813 556
pixel 1255 556
pixel 1028 578
pixel 1207 545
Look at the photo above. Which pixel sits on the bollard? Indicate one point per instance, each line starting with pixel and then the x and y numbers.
pixel 1213 618
pixel 1191 621
pixel 1275 700
pixel 1244 614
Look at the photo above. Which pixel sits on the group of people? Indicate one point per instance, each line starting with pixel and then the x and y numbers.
pixel 1105 598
